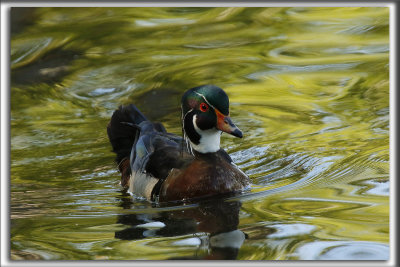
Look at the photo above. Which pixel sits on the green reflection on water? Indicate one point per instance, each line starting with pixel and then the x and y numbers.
pixel 309 87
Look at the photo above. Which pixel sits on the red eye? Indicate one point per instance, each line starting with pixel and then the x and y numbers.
pixel 204 107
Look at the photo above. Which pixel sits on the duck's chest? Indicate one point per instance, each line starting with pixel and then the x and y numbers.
pixel 203 178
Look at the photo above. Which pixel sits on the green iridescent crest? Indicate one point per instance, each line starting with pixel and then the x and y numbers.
pixel 213 95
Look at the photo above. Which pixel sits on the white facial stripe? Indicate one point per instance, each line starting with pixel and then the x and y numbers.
pixel 187 140
pixel 205 99
pixel 209 139
pixel 184 116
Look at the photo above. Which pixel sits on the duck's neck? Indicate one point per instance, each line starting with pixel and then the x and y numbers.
pixel 209 141
pixel 202 141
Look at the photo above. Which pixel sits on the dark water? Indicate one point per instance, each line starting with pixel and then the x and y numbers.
pixel 309 87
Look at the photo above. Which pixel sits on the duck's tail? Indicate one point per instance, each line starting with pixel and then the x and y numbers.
pixel 122 131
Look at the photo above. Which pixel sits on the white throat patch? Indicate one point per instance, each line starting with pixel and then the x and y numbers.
pixel 209 139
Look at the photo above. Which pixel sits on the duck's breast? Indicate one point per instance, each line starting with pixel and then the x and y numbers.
pixel 201 178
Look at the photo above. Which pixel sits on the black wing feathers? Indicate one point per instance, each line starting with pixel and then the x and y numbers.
pixel 122 130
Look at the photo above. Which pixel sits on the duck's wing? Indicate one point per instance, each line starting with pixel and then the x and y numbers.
pixel 146 153
pixel 154 155
pixel 156 152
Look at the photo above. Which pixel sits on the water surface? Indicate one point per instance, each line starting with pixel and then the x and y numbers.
pixel 309 87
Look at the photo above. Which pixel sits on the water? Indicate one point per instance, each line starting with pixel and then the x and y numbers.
pixel 309 88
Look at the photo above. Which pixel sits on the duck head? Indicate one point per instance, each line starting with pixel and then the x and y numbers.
pixel 205 115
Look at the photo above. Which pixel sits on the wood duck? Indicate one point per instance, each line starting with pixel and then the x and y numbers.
pixel 161 166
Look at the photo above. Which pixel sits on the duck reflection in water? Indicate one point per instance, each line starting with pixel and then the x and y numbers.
pixel 217 218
